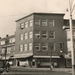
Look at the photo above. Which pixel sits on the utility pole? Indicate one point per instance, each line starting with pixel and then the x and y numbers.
pixel 72 39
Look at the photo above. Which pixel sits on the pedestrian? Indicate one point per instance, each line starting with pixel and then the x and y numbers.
pixel 7 66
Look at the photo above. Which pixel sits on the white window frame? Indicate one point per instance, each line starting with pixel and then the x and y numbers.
pixel 2 42
pixel 21 37
pixel 25 47
pixel 8 50
pixel 31 35
pixel 30 46
pixel 21 48
pixel 22 25
pixel 37 35
pixel 45 45
pixel 45 35
pixel 44 23
pixel 52 36
pixel 51 23
pixel 3 51
pixel 31 23
pixel 26 36
pixel 37 22
pixel 26 24
pixel 37 45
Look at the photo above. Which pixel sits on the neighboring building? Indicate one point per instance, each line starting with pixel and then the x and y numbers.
pixel 40 39
pixel 7 48
pixel 66 27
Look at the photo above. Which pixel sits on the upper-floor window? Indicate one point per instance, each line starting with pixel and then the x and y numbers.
pixel 31 23
pixel 51 22
pixel 21 37
pixel 61 46
pixel 37 34
pixel 2 42
pixel 21 48
pixel 8 50
pixel 37 46
pixel 30 46
pixel 51 34
pixel 30 35
pixel 52 47
pixel 44 22
pixel 2 50
pixel 22 25
pixel 74 34
pixel 26 24
pixel 11 40
pixel 37 22
pixel 25 47
pixel 44 46
pixel 44 34
pixel 26 36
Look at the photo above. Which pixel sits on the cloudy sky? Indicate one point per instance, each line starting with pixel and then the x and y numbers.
pixel 11 10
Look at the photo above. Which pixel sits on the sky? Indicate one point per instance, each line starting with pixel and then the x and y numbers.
pixel 11 10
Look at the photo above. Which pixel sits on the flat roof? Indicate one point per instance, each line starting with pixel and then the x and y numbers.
pixel 40 13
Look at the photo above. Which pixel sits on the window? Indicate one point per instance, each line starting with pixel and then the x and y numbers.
pixel 61 46
pixel 30 46
pixel 2 42
pixel 8 50
pixel 11 40
pixel 51 22
pixel 30 35
pixel 26 36
pixel 52 46
pixel 44 22
pixel 44 46
pixel 37 22
pixel 25 47
pixel 51 34
pixel 21 48
pixel 44 34
pixel 26 24
pixel 74 34
pixel 3 51
pixel 21 37
pixel 37 46
pixel 37 34
pixel 31 23
pixel 22 25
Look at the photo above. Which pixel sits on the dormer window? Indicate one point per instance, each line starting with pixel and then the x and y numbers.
pixel 22 25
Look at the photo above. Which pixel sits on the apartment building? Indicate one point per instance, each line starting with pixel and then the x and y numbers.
pixel 7 48
pixel 40 40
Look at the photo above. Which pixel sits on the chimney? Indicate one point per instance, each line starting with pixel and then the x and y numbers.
pixel 7 35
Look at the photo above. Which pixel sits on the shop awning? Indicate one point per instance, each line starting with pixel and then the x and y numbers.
pixel 22 55
pixel 46 56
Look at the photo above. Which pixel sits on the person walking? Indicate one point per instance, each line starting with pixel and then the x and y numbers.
pixel 7 66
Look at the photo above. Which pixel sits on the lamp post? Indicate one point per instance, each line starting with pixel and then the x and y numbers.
pixel 72 42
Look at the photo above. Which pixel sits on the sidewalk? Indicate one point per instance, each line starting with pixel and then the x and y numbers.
pixel 69 70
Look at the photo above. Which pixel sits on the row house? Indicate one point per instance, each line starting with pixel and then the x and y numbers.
pixel 7 48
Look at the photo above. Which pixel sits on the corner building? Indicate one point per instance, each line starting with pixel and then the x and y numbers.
pixel 40 40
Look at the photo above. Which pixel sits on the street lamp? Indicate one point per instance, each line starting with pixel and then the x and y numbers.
pixel 72 42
